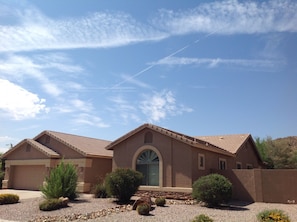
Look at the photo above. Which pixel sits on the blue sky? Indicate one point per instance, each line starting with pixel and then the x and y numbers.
pixel 102 68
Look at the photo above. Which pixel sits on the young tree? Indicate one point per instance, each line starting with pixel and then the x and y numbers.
pixel 61 182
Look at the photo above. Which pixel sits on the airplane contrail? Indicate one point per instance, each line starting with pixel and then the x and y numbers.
pixel 166 57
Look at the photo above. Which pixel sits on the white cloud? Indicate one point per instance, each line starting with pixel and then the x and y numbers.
pixel 42 68
pixel 81 105
pixel 91 120
pixel 19 103
pixel 101 29
pixel 124 109
pixel 161 105
pixel 172 61
pixel 32 30
pixel 232 17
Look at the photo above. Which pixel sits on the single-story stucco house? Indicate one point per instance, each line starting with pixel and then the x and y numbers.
pixel 30 161
pixel 172 161
pixel 168 160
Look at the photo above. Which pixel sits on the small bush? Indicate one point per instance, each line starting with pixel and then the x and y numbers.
pixel 50 204
pixel 202 218
pixel 61 182
pixel 160 201
pixel 123 183
pixel 143 209
pixel 9 198
pixel 273 215
pixel 99 191
pixel 213 189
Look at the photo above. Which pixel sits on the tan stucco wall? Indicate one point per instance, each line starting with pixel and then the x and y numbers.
pixel 263 185
pixel 170 151
pixel 98 170
pixel 22 153
pixel 247 155
pixel 179 160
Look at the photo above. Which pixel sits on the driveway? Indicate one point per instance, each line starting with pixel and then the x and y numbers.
pixel 23 194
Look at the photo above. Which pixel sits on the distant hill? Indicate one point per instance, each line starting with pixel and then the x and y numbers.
pixel 288 142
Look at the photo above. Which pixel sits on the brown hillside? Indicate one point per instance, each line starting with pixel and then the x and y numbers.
pixel 289 142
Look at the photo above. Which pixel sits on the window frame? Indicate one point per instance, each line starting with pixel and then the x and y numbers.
pixel 148 165
pixel 222 160
pixel 201 167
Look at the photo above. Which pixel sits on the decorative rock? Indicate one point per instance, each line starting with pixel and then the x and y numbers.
pixel 64 201
pixel 141 200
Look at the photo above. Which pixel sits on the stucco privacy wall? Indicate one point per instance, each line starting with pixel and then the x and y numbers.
pixel 263 185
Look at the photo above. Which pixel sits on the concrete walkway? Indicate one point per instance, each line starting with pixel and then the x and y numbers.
pixel 23 194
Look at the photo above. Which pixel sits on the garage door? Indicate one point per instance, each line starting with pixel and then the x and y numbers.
pixel 28 177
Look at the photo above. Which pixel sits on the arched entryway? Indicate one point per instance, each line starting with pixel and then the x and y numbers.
pixel 148 161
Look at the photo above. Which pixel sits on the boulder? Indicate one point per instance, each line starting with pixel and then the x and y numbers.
pixel 141 200
pixel 64 201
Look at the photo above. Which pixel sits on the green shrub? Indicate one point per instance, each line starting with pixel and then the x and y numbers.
pixel 8 198
pixel 202 218
pixel 99 191
pixel 272 215
pixel 160 201
pixel 123 183
pixel 50 204
pixel 143 209
pixel 213 189
pixel 61 182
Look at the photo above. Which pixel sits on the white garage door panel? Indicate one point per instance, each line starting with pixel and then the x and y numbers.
pixel 28 177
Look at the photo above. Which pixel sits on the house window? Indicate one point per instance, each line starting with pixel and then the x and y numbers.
pixel 222 164
pixel 201 161
pixel 148 137
pixel 238 165
pixel 148 164
pixel 249 166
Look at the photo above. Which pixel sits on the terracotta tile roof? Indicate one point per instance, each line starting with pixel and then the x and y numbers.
pixel 87 146
pixel 230 143
pixel 193 141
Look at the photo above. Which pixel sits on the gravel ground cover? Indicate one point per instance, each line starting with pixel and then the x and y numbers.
pixel 107 210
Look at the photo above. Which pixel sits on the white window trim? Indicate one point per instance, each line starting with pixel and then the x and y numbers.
pixel 199 163
pixel 222 160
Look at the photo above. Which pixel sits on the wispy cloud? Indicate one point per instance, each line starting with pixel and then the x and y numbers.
pixel 211 63
pixel 41 68
pixel 101 29
pixel 32 30
pixel 231 17
pixel 161 105
pixel 124 110
pixel 89 119
pixel 19 103
pixel 80 105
